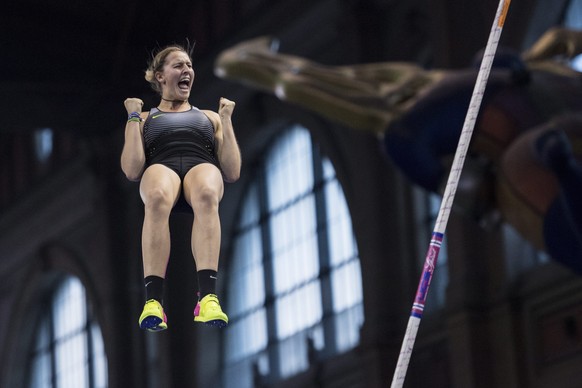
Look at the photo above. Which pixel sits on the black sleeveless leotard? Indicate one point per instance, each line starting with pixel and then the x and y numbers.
pixel 179 140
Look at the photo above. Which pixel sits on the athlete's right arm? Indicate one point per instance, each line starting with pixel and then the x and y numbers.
pixel 133 153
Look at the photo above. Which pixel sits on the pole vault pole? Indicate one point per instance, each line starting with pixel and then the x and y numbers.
pixel 448 197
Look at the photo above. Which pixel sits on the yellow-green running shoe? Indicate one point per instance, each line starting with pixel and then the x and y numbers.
pixel 208 311
pixel 153 317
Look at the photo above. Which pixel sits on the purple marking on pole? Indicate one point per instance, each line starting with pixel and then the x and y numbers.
pixel 427 272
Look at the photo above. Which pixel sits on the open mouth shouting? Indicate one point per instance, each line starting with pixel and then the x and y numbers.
pixel 184 83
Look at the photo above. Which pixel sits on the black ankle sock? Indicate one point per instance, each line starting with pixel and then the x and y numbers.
pixel 207 282
pixel 154 287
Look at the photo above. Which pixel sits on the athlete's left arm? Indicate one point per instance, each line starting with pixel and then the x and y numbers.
pixel 227 148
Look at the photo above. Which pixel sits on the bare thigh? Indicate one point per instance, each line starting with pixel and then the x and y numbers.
pixel 160 183
pixel 203 179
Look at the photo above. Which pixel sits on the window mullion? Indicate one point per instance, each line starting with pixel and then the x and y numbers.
pixel 52 345
pixel 323 252
pixel 90 355
pixel 269 276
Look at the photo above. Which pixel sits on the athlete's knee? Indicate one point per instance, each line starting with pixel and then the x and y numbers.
pixel 158 199
pixel 205 198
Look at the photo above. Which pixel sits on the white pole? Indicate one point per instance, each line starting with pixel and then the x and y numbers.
pixel 448 197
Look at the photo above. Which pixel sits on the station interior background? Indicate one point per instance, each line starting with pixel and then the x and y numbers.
pixel 323 238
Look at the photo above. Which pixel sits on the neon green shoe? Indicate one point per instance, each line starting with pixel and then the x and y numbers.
pixel 208 311
pixel 153 317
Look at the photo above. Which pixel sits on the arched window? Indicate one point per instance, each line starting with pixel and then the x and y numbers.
pixel 68 347
pixel 295 290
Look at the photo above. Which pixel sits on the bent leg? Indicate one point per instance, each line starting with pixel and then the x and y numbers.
pixel 159 190
pixel 563 223
pixel 555 151
pixel 203 190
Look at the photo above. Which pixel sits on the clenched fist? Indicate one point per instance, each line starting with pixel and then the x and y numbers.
pixel 226 107
pixel 133 105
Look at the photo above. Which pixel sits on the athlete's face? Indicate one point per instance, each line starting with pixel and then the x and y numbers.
pixel 177 76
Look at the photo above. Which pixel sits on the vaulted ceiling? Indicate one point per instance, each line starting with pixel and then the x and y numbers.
pixel 68 63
